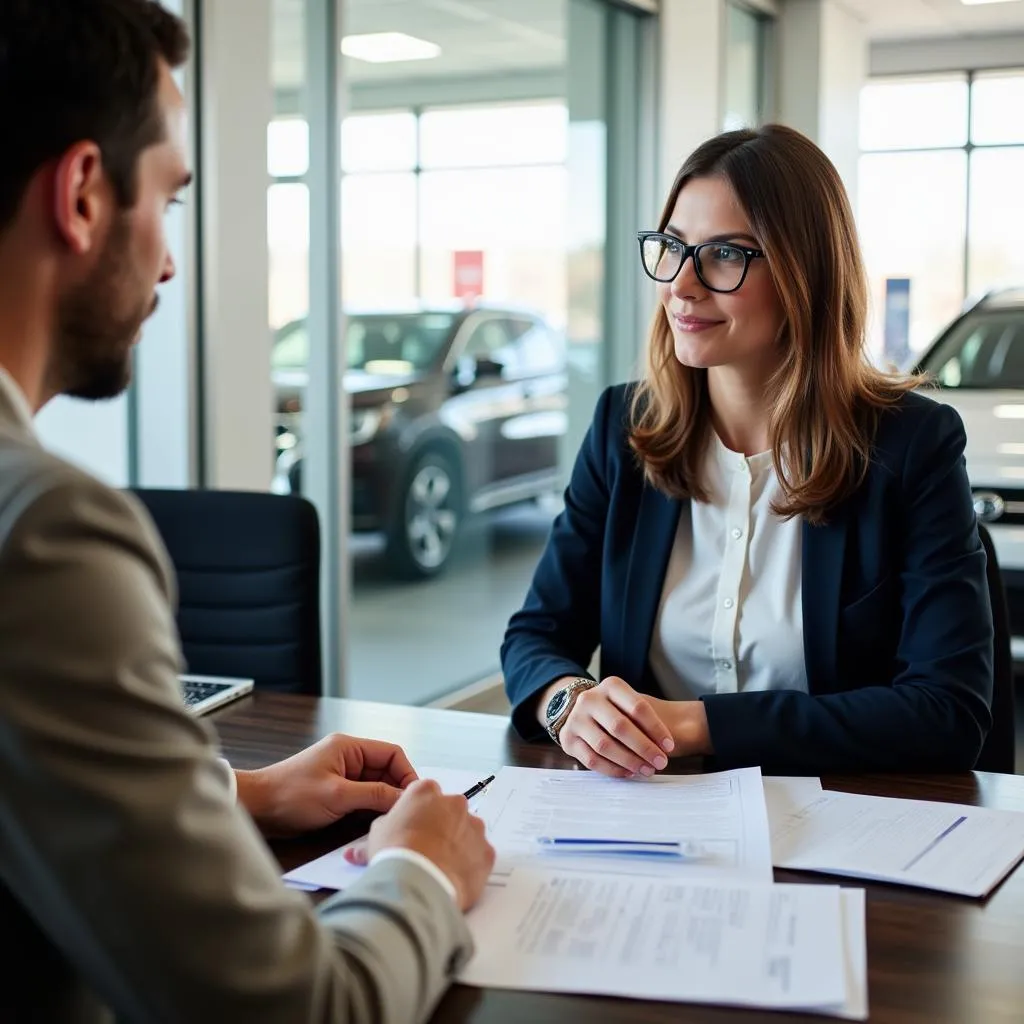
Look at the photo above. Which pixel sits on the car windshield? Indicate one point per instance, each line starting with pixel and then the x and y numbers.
pixel 388 344
pixel 984 350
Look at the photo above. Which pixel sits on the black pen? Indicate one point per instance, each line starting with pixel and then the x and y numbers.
pixel 479 787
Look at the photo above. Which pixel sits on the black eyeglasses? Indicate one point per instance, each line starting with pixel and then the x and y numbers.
pixel 720 266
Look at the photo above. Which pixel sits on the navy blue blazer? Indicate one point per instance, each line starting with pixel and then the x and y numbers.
pixel 897 621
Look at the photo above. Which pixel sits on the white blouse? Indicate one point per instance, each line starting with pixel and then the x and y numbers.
pixel 730 617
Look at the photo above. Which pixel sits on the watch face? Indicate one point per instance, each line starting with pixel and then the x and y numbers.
pixel 556 704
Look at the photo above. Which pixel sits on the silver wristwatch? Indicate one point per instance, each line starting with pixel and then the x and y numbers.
pixel 562 702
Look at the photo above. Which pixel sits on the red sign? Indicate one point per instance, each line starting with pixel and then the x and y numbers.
pixel 469 275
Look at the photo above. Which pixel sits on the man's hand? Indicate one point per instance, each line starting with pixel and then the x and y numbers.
pixel 617 731
pixel 324 782
pixel 439 827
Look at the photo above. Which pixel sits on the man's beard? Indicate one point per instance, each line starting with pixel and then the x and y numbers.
pixel 92 351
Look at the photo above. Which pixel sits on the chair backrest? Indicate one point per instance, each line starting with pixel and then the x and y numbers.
pixel 248 568
pixel 997 755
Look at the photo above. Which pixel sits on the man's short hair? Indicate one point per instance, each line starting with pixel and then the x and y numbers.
pixel 81 70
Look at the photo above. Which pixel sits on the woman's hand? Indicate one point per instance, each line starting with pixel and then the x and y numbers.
pixel 617 731
pixel 614 730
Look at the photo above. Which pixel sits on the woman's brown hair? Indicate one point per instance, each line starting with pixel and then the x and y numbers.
pixel 826 396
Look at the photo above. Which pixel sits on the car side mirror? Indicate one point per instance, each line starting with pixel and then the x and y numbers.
pixel 469 369
pixel 487 367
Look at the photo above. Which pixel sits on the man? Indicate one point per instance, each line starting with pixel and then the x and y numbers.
pixel 131 882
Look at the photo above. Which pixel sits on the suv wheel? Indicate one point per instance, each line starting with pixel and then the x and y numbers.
pixel 428 520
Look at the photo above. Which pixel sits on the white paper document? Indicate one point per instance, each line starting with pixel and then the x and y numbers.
pixel 661 938
pixel 722 814
pixel 948 847
pixel 855 957
pixel 784 796
pixel 332 871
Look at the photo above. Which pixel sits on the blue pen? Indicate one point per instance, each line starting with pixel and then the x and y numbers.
pixel 629 847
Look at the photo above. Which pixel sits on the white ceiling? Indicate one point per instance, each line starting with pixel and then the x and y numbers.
pixel 908 19
pixel 476 37
pixel 489 37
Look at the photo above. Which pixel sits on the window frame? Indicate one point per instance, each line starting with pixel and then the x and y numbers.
pixel 969 76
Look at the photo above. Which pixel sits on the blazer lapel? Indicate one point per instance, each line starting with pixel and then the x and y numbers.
pixel 653 537
pixel 822 578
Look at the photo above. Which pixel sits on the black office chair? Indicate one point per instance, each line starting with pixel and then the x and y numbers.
pixel 997 755
pixel 248 568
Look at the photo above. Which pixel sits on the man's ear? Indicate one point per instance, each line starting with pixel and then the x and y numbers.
pixel 81 195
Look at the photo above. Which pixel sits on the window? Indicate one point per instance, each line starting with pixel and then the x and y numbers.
pixel 473 191
pixel 995 252
pixel 997 109
pixel 915 113
pixel 940 202
pixel 515 134
pixel 746 44
pixel 396 345
pixel 904 235
pixel 487 340
pixel 984 351
pixel 379 142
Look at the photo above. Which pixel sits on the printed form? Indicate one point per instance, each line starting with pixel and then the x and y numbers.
pixel 948 847
pixel 722 814
pixel 779 947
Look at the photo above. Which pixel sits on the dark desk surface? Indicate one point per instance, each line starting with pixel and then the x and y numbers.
pixel 931 958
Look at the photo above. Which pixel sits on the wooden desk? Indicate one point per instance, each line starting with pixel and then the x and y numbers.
pixel 932 959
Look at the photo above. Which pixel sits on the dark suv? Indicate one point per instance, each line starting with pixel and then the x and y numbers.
pixel 453 411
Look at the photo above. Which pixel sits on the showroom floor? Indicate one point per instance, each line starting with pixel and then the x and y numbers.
pixel 411 643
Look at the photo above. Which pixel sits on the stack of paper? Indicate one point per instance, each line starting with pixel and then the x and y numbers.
pixel 707 928
pixel 950 847
pixel 723 814
pixel 796 947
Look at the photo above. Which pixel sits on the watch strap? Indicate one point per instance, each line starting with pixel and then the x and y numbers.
pixel 572 690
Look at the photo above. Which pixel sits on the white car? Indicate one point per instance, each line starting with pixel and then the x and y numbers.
pixel 978 363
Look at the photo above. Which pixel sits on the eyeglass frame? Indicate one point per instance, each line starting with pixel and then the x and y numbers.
pixel 694 251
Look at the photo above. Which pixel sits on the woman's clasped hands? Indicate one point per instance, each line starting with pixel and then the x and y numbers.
pixel 617 731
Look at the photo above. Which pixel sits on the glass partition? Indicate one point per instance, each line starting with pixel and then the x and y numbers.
pixel 473 198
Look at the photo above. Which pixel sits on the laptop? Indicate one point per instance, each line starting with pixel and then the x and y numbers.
pixel 204 693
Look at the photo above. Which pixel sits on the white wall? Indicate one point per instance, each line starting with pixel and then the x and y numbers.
pixel 93 435
pixel 921 56
pixel 164 373
pixel 799 64
pixel 237 105
pixel 96 435
pixel 691 83
pixel 822 66
pixel 164 360
pixel 844 67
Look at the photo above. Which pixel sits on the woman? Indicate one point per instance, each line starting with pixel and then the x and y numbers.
pixel 772 542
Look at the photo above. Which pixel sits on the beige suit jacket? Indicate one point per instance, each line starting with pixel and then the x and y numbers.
pixel 130 882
